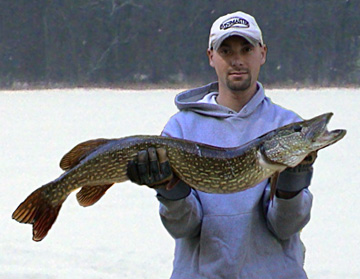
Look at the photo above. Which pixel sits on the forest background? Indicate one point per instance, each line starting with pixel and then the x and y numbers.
pixel 119 43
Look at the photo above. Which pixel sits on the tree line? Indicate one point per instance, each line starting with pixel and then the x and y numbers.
pixel 116 42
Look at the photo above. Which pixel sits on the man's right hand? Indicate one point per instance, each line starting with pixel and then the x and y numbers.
pixel 151 167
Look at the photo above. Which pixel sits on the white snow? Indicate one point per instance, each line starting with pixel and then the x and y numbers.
pixel 121 236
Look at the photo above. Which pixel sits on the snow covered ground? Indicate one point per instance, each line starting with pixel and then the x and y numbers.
pixel 121 236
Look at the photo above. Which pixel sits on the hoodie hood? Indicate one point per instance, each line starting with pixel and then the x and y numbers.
pixel 199 100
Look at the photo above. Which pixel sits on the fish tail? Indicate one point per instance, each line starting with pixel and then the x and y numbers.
pixel 38 210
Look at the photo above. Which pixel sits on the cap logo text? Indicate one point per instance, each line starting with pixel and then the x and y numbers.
pixel 238 21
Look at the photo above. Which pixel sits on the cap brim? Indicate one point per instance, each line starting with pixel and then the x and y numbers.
pixel 216 44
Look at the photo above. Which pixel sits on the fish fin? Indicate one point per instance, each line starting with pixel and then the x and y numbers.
pixel 79 152
pixel 36 210
pixel 273 182
pixel 88 195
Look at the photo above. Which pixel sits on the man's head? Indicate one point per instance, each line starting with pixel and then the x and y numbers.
pixel 236 52
pixel 235 24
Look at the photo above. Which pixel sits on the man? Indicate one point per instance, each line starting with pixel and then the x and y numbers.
pixel 239 235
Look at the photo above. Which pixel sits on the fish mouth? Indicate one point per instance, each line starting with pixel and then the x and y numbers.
pixel 330 137
pixel 320 135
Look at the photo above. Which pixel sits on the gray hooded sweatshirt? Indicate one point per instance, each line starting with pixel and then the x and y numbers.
pixel 238 235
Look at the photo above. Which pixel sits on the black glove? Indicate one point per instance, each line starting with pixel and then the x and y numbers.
pixel 152 168
pixel 297 178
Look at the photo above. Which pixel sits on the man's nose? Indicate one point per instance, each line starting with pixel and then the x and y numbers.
pixel 237 60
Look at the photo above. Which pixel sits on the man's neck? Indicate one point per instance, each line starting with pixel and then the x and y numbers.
pixel 235 100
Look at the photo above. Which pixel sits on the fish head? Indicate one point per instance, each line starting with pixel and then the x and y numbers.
pixel 290 144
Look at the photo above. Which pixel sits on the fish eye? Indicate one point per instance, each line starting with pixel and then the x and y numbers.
pixel 297 128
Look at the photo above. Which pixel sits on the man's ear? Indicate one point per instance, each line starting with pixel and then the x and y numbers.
pixel 210 54
pixel 263 54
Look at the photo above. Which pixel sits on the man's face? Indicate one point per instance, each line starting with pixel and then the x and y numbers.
pixel 237 64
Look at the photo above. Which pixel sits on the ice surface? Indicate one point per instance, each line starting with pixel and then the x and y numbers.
pixel 121 236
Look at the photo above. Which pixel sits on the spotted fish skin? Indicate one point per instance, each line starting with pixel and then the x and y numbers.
pixel 96 165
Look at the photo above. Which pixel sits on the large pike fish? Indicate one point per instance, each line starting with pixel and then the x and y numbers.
pixel 96 165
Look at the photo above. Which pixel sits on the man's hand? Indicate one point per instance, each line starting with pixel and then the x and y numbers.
pixel 152 168
pixel 292 180
pixel 307 163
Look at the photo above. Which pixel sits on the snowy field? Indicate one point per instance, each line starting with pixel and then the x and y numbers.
pixel 121 236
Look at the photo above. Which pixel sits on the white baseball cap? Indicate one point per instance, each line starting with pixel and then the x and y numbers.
pixel 235 24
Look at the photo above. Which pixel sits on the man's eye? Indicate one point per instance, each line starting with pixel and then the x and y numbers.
pixel 224 51
pixel 247 49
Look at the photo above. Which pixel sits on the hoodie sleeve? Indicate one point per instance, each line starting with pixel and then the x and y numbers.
pixel 286 217
pixel 181 218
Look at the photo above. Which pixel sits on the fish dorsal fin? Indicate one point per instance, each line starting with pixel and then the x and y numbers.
pixel 79 152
